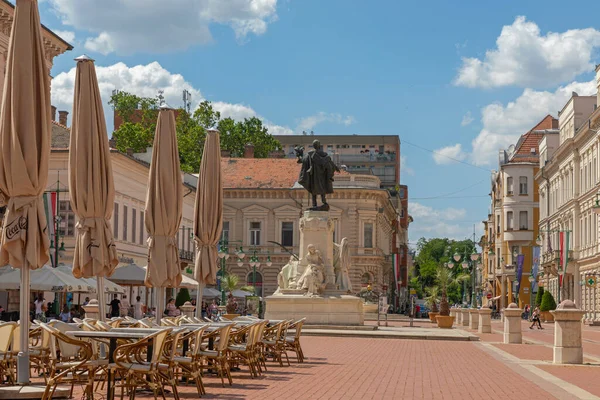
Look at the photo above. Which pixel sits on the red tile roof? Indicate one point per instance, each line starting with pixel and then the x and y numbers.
pixel 253 173
pixel 531 140
pixel 265 173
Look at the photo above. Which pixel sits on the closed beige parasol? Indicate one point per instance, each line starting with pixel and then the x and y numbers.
pixel 25 147
pixel 208 212
pixel 91 181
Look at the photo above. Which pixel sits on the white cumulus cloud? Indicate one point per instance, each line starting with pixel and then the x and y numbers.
pixel 146 81
pixel 525 57
pixel 431 222
pixel 158 26
pixel 308 123
pixel 467 119
pixel 68 36
pixel 449 154
pixel 504 123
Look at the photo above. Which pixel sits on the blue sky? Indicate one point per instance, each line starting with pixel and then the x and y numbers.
pixel 459 78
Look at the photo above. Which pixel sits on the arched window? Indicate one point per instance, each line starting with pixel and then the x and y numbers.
pixel 256 282
pixel 366 279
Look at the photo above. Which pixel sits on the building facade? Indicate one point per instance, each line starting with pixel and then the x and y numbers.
pixel 569 180
pixel 377 155
pixel 512 226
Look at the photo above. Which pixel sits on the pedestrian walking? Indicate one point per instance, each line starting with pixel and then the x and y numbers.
pixel 40 308
pixel 535 318
pixel 138 308
pixel 115 306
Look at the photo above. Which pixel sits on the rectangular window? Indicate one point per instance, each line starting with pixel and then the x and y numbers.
pixel 523 220
pixel 522 185
pixel 368 235
pixel 225 231
pixel 133 224
pixel 142 227
pixel 67 221
pixel 116 221
pixel 125 237
pixel 287 233
pixel 509 186
pixel 255 233
pixel 509 220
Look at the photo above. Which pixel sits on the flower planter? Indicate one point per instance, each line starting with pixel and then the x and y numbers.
pixel 230 316
pixel 444 322
pixel 432 315
pixel 546 316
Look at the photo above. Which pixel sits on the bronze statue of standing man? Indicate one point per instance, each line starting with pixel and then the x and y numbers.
pixel 316 174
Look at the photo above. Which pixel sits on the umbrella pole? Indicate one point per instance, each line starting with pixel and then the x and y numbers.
pixel 101 298
pixel 199 299
pixel 23 356
pixel 160 303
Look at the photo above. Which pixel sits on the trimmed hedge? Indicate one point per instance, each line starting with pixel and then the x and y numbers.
pixel 548 302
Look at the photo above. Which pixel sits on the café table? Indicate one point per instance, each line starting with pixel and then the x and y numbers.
pixel 113 335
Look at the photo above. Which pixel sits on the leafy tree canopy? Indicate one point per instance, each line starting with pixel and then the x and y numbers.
pixel 139 115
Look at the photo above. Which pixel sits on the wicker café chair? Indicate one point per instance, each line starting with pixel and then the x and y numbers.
pixel 274 341
pixel 131 365
pixel 292 340
pixel 217 358
pixel 191 365
pixel 243 348
pixel 74 365
pixel 6 338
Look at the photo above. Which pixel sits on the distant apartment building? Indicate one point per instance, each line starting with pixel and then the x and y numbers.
pixel 377 155
pixel 512 226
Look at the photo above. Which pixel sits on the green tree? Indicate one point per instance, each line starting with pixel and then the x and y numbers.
pixel 538 297
pixel 230 283
pixel 182 297
pixel 139 116
pixel 548 302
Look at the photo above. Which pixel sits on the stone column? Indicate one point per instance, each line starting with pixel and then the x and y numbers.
pixel 465 316
pixel 92 309
pixel 485 321
pixel 568 348
pixel 187 309
pixel 512 324
pixel 458 316
pixel 473 318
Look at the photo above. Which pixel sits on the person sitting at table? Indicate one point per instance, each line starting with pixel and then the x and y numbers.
pixel 65 315
pixel 172 310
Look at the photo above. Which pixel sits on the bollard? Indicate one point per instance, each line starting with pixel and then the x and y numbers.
pixel 458 316
pixel 512 324
pixel 473 318
pixel 465 316
pixel 485 321
pixel 188 309
pixel 568 348
pixel 92 309
pixel 453 311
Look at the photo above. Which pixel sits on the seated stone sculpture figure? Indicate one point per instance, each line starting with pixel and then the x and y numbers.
pixel 286 279
pixel 313 278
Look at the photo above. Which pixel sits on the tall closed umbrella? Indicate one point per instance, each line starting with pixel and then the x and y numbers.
pixel 208 213
pixel 164 204
pixel 91 184
pixel 25 139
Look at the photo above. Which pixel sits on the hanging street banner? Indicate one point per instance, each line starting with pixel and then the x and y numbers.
pixel 535 266
pixel 520 261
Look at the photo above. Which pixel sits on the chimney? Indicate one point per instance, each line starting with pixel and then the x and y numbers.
pixel 62 117
pixel 225 154
pixel 53 113
pixel 249 150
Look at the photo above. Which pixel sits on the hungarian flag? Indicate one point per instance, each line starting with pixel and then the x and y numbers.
pixel 564 254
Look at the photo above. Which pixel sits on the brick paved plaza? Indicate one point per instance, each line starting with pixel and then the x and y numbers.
pixel 366 368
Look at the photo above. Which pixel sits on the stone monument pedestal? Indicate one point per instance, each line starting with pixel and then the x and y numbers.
pixel 318 310
pixel 568 348
pixel 92 309
pixel 188 309
pixel 326 306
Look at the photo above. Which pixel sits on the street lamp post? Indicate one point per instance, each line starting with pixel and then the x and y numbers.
pixel 255 263
pixel 468 262
pixel 224 256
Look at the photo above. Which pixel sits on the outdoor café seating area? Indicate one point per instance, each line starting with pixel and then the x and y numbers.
pixel 125 356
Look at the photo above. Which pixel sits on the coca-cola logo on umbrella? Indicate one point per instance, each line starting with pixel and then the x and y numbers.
pixel 15 227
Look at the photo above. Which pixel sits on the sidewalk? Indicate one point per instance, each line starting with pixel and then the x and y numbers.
pixel 535 357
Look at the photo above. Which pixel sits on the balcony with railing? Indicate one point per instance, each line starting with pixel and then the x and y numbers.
pixel 185 255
